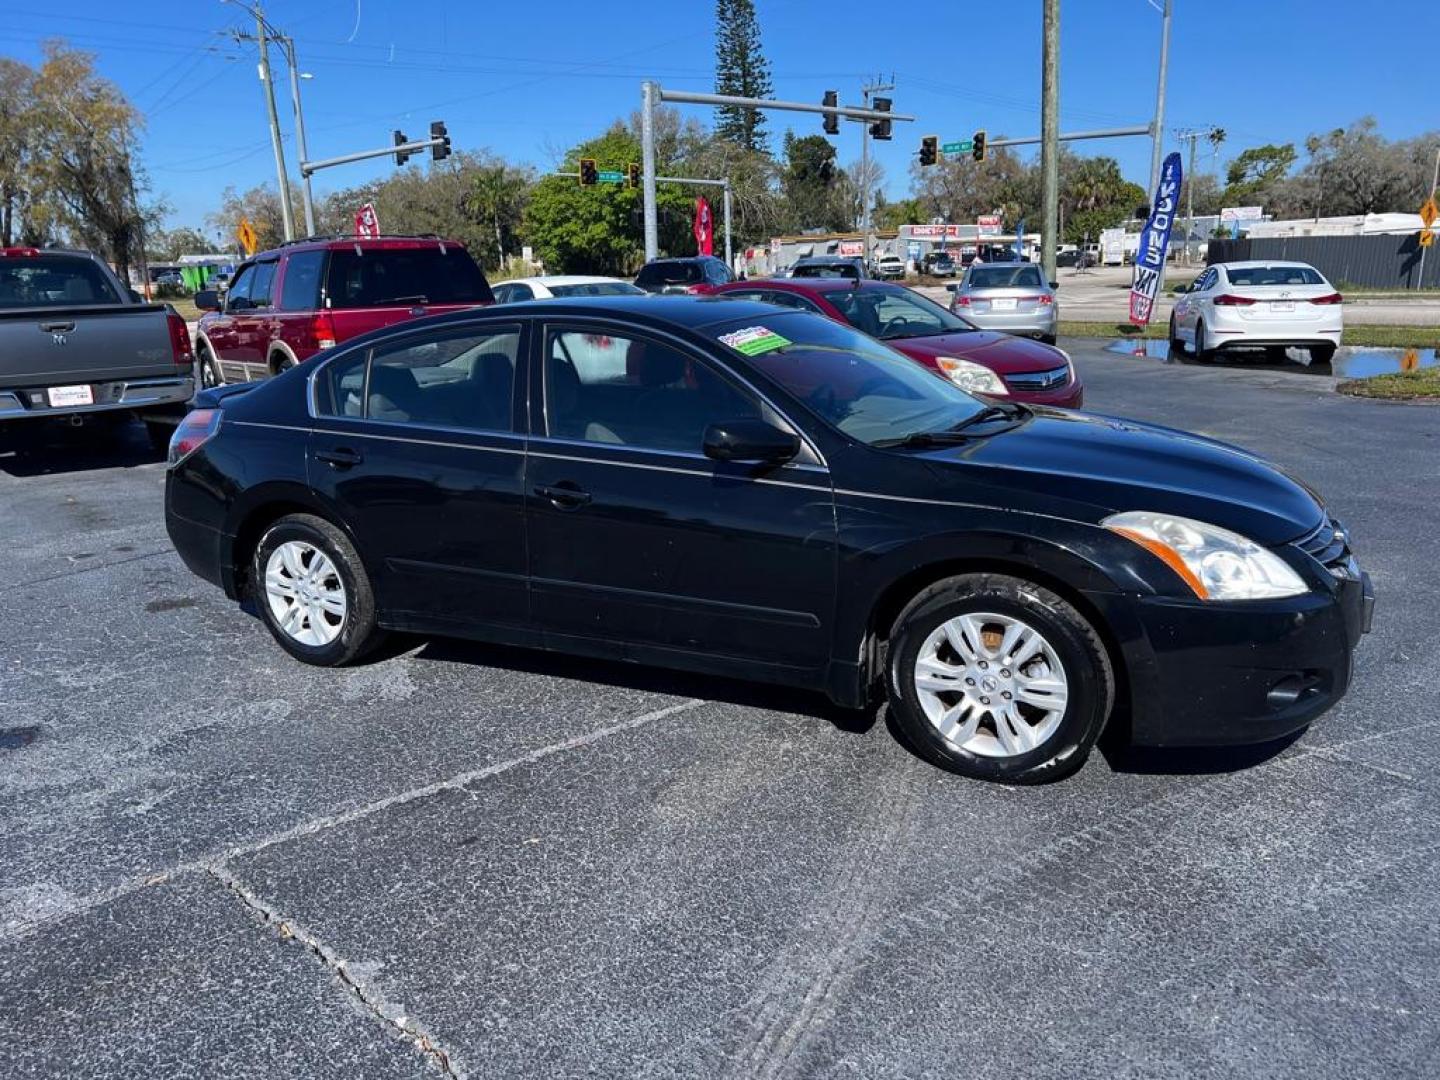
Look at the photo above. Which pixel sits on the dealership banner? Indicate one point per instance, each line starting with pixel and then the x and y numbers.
pixel 989 224
pixel 704 228
pixel 1154 242
pixel 367 222
pixel 935 232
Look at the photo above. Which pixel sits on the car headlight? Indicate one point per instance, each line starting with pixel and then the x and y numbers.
pixel 969 375
pixel 1215 563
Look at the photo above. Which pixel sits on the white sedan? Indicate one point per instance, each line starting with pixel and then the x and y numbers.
pixel 1252 305
pixel 546 288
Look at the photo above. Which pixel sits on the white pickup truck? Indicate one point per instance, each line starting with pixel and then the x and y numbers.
pixel 75 341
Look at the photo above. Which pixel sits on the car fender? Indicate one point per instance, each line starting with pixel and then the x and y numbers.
pixel 254 507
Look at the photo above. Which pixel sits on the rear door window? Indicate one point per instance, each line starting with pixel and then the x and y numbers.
pixel 301 289
pixel 260 284
pixel 669 273
pixel 53 281
pixel 394 277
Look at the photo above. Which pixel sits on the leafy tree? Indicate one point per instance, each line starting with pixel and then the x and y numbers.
pixel 17 95
pixel 167 245
pixel 1355 170
pixel 890 215
pixel 741 70
pixel 260 205
pixel 597 230
pixel 1256 172
pixel 80 171
pixel 498 193
pixel 811 184
pixel 960 189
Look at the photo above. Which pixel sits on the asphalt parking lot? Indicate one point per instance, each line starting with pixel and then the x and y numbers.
pixel 486 862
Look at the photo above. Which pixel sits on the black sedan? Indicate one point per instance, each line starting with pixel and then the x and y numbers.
pixel 737 488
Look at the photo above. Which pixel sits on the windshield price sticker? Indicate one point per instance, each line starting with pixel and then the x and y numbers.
pixel 754 340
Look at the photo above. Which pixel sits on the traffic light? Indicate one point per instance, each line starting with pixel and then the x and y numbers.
pixel 832 120
pixel 441 150
pixel 977 146
pixel 402 156
pixel 929 149
pixel 589 175
pixel 880 129
pixel 632 175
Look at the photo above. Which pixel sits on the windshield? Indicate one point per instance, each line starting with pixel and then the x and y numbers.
pixel 826 270
pixel 891 311
pixel 53 281
pixel 670 273
pixel 1006 277
pixel 597 288
pixel 376 277
pixel 1273 275
pixel 866 390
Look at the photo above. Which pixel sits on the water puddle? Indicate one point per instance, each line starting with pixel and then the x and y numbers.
pixel 13 738
pixel 1350 362
pixel 1367 363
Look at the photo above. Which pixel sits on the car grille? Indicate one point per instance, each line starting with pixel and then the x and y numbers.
pixel 1329 545
pixel 1039 380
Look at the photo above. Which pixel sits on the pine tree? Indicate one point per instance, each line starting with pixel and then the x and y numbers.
pixel 742 70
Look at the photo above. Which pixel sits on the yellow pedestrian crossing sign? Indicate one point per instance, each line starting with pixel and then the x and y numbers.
pixel 1429 212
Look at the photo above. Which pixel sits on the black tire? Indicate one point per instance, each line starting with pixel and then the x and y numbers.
pixel 159 435
pixel 359 633
pixel 1202 354
pixel 1090 678
pixel 281 363
pixel 207 371
pixel 1177 347
pixel 1322 353
pixel 1048 339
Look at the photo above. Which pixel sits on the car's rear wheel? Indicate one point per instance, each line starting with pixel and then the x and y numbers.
pixel 999 679
pixel 1048 339
pixel 313 592
pixel 1176 345
pixel 1203 352
pixel 281 363
pixel 1322 353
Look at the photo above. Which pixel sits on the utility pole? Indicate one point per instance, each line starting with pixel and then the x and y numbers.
pixel 1050 137
pixel 264 32
pixel 1157 129
pixel 648 96
pixel 865 92
pixel 306 194
pixel 1434 182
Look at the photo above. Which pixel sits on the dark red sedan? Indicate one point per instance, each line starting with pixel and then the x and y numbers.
pixel 973 359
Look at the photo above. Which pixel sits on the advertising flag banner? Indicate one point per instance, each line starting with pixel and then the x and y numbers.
pixel 704 228
pixel 367 224
pixel 1154 242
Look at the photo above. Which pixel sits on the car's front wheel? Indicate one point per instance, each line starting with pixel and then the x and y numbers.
pixel 313 592
pixel 999 679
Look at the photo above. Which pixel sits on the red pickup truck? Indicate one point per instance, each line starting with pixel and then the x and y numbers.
pixel 286 305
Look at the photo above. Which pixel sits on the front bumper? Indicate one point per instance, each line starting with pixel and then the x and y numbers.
pixel 143 395
pixel 1230 674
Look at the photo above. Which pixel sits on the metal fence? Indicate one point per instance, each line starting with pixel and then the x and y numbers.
pixel 1385 262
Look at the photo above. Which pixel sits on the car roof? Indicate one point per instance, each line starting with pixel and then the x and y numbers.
pixel 689 312
pixel 819 285
pixel 680 259
pixel 372 243
pixel 1246 264
pixel 563 279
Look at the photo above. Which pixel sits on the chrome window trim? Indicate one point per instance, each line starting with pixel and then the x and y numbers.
pixel 688 347
pixel 561 441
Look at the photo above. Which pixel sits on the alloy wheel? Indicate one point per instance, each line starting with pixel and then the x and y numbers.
pixel 305 593
pixel 991 684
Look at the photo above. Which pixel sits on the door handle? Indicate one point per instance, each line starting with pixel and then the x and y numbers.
pixel 340 457
pixel 564 495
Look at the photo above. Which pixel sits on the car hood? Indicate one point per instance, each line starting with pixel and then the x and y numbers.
pixel 998 352
pixel 1098 465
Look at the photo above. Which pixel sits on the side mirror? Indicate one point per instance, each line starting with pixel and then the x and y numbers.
pixel 135 297
pixel 207 300
pixel 1054 284
pixel 750 440
pixel 953 287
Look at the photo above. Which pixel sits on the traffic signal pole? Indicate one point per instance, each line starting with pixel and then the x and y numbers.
pixel 652 94
pixel 414 146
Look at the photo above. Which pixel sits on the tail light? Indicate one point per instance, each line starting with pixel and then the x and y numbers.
pixel 1044 298
pixel 193 432
pixel 695 290
pixel 962 301
pixel 181 349
pixel 323 327
pixel 1328 298
pixel 1231 300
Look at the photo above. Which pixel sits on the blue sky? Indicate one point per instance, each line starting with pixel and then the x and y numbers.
pixel 530 80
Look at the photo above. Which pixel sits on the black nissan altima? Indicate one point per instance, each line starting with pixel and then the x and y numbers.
pixel 742 489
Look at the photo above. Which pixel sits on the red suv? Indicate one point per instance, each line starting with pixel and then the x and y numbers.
pixel 286 305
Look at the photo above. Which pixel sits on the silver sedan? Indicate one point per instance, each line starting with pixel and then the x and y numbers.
pixel 1013 297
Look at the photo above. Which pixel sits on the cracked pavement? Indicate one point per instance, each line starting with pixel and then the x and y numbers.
pixel 473 861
